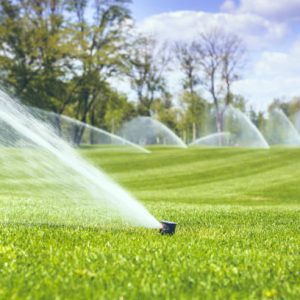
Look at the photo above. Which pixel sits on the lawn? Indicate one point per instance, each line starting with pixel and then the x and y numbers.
pixel 238 234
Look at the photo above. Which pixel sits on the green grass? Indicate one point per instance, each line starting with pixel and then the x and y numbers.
pixel 238 235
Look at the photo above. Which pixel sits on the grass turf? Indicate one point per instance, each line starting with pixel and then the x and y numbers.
pixel 238 231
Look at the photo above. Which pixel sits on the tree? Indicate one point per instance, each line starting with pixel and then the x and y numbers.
pixel 147 63
pixel 278 103
pixel 220 60
pixel 239 102
pixel 54 55
pixel 99 54
pixel 34 51
pixel 165 112
pixel 294 106
pixel 194 117
pixel 195 106
pixel 257 118
pixel 188 59
pixel 117 110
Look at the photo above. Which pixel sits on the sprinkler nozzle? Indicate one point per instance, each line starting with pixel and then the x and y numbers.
pixel 167 227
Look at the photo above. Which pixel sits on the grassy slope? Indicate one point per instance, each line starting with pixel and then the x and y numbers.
pixel 208 176
pixel 238 234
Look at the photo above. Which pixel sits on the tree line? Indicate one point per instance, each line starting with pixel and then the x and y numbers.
pixel 61 56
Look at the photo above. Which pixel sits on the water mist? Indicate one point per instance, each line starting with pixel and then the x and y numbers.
pixel 148 131
pixel 39 149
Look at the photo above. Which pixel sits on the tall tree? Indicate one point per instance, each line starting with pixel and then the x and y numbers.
pixel 34 48
pixel 278 103
pixel 165 111
pixel 220 60
pixel 117 110
pixel 195 115
pixel 147 63
pixel 55 55
pixel 257 118
pixel 294 106
pixel 99 43
pixel 188 59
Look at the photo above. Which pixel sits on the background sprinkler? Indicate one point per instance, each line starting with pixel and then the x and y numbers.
pixel 167 227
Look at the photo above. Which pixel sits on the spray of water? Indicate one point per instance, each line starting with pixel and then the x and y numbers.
pixel 69 128
pixel 243 131
pixel 296 121
pixel 41 153
pixel 279 130
pixel 147 131
pixel 219 139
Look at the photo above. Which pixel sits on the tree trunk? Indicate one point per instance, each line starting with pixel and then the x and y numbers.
pixel 184 135
pixel 219 121
pixel 92 138
pixel 79 130
pixel 112 126
pixel 58 125
pixel 194 132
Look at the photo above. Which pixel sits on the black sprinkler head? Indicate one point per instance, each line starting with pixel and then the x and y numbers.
pixel 167 227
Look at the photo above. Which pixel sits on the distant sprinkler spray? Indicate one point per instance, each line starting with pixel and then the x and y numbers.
pixel 167 227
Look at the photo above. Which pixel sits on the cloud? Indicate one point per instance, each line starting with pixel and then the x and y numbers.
pixel 261 92
pixel 264 25
pixel 274 75
pixel 270 73
pixel 228 6
pixel 185 25
pixel 278 9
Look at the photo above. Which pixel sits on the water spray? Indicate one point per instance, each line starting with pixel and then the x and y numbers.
pixel 148 131
pixel 44 149
pixel 167 227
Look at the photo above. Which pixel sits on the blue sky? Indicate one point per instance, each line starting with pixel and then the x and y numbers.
pixel 145 8
pixel 269 28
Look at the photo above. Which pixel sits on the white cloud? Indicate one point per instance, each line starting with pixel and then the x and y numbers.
pixel 270 73
pixel 261 92
pixel 185 25
pixel 264 26
pixel 277 64
pixel 274 75
pixel 274 9
pixel 228 6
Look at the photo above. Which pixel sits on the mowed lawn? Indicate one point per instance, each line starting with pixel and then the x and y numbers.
pixel 238 234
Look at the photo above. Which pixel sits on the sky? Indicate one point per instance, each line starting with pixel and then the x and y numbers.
pixel 146 8
pixel 269 28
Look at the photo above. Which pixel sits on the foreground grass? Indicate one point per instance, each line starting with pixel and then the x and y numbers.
pixel 238 235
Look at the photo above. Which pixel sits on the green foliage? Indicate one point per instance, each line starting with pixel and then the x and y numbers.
pixel 33 50
pixel 239 102
pixel 117 110
pixel 164 110
pixel 290 108
pixel 294 106
pixel 257 118
pixel 279 103
pixel 54 56
pixel 99 52
pixel 237 236
pixel 194 117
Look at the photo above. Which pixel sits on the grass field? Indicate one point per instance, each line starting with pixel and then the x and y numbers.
pixel 238 235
